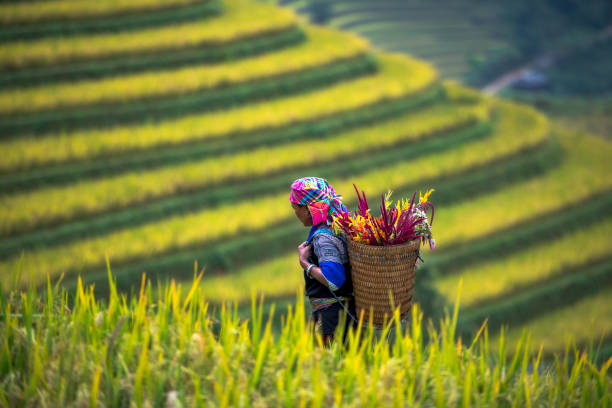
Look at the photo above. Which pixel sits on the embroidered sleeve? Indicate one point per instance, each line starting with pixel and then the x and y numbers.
pixel 329 248
pixel 331 253
pixel 334 274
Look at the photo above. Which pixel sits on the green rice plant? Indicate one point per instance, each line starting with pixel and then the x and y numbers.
pixel 89 197
pixel 258 247
pixel 77 229
pixel 164 346
pixel 518 128
pixel 241 19
pixel 279 276
pixel 531 301
pixel 540 262
pixel 510 170
pixel 464 42
pixel 582 321
pixel 573 182
pixel 562 221
pixel 194 10
pixel 137 62
pixel 30 12
pixel 196 102
pixel 591 150
pixel 324 46
pixel 315 128
pixel 276 278
pixel 398 77
pixel 462 94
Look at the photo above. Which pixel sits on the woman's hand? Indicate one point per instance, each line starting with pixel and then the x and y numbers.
pixel 305 250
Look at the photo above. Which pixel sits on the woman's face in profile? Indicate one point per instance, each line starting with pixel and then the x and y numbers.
pixel 301 211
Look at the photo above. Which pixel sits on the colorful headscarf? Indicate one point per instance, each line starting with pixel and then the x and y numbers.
pixel 319 196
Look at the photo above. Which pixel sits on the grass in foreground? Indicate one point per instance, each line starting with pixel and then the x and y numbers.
pixel 164 347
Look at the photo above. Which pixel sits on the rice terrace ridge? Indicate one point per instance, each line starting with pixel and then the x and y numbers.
pixel 142 138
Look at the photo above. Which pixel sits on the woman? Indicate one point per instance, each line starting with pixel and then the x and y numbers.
pixel 323 255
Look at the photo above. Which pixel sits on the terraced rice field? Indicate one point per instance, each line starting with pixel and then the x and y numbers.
pixel 241 19
pixel 485 281
pixel 177 158
pixel 30 12
pixel 586 322
pixel 451 35
pixel 324 47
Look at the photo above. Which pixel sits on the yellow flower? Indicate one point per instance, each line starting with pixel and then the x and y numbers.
pixel 423 198
pixel 388 198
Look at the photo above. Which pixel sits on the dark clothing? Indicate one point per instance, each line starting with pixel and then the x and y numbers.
pixel 327 317
pixel 316 289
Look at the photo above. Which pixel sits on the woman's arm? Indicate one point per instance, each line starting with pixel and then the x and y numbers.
pixel 330 271
pixel 315 271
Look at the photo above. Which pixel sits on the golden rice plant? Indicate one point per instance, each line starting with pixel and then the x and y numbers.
pixel 459 93
pixel 241 19
pixel 277 277
pixel 495 205
pixel 91 196
pixel 571 183
pixel 516 128
pixel 538 262
pixel 518 202
pixel 164 346
pixel 324 46
pixel 178 232
pixel 29 12
pixel 398 77
pixel 583 321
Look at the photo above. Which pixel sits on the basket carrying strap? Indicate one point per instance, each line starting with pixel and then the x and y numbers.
pixel 326 231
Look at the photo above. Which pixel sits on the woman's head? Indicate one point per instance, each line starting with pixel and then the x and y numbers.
pixel 317 198
pixel 303 214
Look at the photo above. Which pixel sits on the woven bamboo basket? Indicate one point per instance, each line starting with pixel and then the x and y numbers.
pixel 376 270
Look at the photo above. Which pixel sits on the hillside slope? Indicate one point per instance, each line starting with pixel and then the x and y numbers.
pixel 158 145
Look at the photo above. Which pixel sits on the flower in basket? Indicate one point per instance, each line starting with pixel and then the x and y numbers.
pixel 405 221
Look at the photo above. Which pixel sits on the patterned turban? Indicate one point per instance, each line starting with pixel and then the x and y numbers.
pixel 319 196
